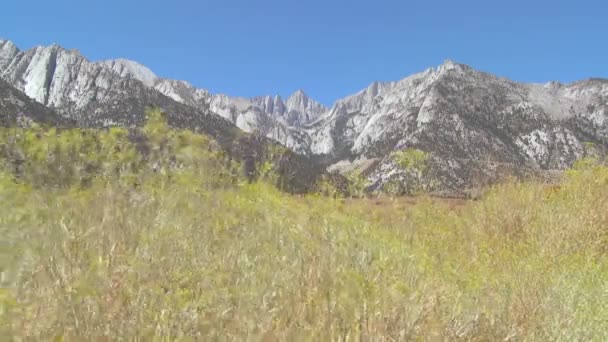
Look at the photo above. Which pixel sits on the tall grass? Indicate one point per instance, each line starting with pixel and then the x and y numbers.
pixel 187 259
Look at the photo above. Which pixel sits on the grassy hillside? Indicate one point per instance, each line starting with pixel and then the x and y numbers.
pixel 156 233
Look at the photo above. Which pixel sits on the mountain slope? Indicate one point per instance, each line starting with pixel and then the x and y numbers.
pixel 99 93
pixel 16 108
pixel 476 127
pixel 270 115
pixel 113 93
pixel 125 67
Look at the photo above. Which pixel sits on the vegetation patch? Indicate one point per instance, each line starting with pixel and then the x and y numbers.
pixel 123 234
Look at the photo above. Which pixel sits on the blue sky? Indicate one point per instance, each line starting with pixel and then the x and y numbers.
pixel 328 48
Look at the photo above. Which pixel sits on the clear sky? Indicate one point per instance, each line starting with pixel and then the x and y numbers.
pixel 329 48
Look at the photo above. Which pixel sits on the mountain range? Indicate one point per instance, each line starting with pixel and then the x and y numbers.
pixel 476 128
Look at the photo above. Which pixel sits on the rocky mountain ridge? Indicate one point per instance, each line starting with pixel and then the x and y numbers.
pixel 475 127
pixel 17 109
pixel 117 93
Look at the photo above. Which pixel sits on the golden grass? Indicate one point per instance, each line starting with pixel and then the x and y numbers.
pixel 252 263
pixel 101 241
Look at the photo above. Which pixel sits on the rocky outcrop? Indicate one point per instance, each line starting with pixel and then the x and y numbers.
pixel 17 109
pixel 100 94
pixel 475 127
pixel 63 86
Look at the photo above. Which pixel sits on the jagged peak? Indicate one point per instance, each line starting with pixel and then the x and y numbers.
pixel 122 66
pixel 269 99
pixel 7 51
pixel 163 83
pixel 452 63
pixel 127 67
pixel 446 66
pixel 299 93
pixel 298 96
pixel 379 88
pixel 300 99
pixel 553 85
pixel 449 63
pixel 374 88
pixel 175 82
pixel 7 42
pixel 54 48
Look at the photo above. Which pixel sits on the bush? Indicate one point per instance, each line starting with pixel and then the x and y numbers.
pixel 162 241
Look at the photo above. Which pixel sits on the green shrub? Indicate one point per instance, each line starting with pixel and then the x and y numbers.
pixel 164 240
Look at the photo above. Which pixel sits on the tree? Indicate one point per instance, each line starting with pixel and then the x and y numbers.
pixel 415 165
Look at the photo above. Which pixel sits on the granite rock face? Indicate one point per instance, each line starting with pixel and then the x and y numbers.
pixel 18 109
pixel 475 127
pixel 97 94
pixel 65 87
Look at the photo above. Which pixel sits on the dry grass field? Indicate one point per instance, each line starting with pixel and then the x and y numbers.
pixel 101 245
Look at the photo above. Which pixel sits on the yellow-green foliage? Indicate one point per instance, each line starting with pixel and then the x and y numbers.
pixel 357 184
pixel 412 159
pixel 326 187
pixel 78 157
pixel 267 169
pixel 179 256
pixel 415 164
